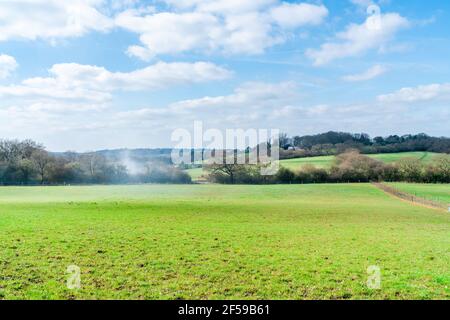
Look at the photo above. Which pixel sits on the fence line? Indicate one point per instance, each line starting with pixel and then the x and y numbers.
pixel 409 197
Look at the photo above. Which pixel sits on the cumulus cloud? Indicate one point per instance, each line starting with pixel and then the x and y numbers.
pixel 250 105
pixel 291 15
pixel 357 39
pixel 254 104
pixel 7 65
pixel 249 95
pixel 251 102
pixel 418 94
pixel 231 26
pixel 51 19
pixel 369 74
pixel 60 102
pixel 85 82
pixel 225 26
pixel 245 107
pixel 220 5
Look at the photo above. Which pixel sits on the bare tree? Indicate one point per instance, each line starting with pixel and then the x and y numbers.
pixel 41 160
pixel 229 170
pixel 93 162
pixel 13 150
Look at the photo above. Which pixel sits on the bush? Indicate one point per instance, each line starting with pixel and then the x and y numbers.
pixel 411 170
pixel 311 174
pixel 285 176
pixel 158 173
pixel 354 167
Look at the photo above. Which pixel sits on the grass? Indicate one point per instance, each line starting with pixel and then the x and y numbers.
pixel 319 162
pixel 436 192
pixel 327 161
pixel 426 157
pixel 220 242
pixel 196 173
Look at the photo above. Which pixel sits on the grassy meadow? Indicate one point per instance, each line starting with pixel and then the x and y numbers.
pixel 220 242
pixel 327 161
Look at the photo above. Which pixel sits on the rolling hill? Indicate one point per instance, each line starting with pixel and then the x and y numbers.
pixel 327 161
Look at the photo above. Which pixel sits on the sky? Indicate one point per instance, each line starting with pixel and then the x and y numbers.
pixel 101 74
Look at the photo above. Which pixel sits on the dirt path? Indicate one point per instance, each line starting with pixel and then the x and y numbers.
pixel 411 198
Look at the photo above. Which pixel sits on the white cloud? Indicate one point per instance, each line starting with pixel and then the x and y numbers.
pixel 357 39
pixel 7 65
pixel 51 19
pixel 118 5
pixel 249 95
pixel 226 26
pixel 60 102
pixel 274 106
pixel 85 82
pixel 55 107
pixel 249 102
pixel 291 15
pixel 230 27
pixel 250 105
pixel 234 6
pixel 370 74
pixel 418 94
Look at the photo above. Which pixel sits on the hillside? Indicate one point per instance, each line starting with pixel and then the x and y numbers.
pixel 327 161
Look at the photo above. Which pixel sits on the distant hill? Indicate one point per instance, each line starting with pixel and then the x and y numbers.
pixel 160 155
pixel 324 144
pixel 333 143
pixel 327 161
pixel 138 155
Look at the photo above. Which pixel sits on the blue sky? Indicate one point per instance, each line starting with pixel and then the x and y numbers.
pixel 94 74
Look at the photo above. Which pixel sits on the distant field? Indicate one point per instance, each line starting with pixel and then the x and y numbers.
pixel 319 162
pixel 220 242
pixel 393 157
pixel 436 192
pixel 196 173
pixel 327 161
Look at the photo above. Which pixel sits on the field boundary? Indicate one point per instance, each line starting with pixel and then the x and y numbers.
pixel 409 197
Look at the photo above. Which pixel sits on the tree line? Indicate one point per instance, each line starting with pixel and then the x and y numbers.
pixel 28 163
pixel 333 143
pixel 350 166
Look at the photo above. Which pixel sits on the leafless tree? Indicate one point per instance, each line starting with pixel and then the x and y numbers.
pixel 41 160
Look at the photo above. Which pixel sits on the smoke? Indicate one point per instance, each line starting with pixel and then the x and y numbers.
pixel 133 167
pixel 141 169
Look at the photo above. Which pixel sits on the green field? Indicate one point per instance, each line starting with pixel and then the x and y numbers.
pixel 319 162
pixel 436 192
pixel 195 173
pixel 220 242
pixel 327 161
